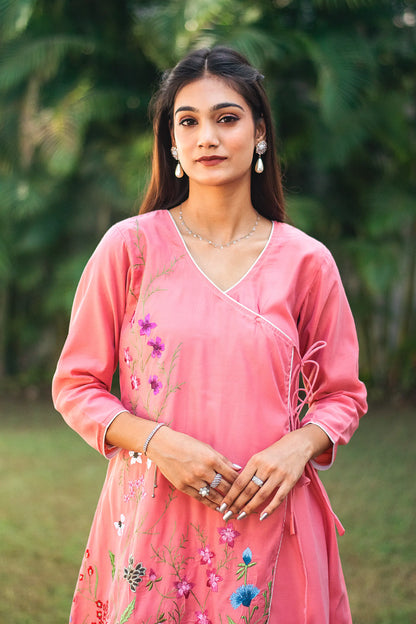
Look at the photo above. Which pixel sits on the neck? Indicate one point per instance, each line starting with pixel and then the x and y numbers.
pixel 220 213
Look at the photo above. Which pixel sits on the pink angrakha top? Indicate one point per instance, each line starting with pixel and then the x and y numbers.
pixel 223 367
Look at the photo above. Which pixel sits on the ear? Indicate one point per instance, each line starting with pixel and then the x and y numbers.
pixel 172 135
pixel 260 129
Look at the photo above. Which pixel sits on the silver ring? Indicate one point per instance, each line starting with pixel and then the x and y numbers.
pixel 204 491
pixel 216 481
pixel 257 481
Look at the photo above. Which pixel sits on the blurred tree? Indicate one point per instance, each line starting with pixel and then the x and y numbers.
pixel 75 81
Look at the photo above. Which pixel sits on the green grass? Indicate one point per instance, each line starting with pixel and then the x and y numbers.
pixel 50 482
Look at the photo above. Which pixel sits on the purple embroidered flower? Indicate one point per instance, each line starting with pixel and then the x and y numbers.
pixel 202 618
pixel 247 556
pixel 206 555
pixel 155 384
pixel 135 382
pixel 146 326
pixel 213 579
pixel 127 357
pixel 243 596
pixel 183 587
pixel 228 535
pixel 158 347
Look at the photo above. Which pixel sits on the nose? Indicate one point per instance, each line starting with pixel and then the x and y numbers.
pixel 207 135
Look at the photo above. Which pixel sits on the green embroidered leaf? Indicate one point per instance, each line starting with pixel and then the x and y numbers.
pixel 113 565
pixel 230 621
pixel 240 574
pixel 250 565
pixel 127 612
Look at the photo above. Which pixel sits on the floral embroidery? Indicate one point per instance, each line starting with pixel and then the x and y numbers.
pixel 90 570
pixel 158 347
pixel 146 326
pixel 243 596
pixel 153 578
pixel 119 525
pixel 206 555
pixel 134 486
pixel 135 382
pixel 127 357
pixel 227 535
pixel 155 384
pixel 134 573
pixel 137 458
pixel 202 618
pixel 213 580
pixel 183 588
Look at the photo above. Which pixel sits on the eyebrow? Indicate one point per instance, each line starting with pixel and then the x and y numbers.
pixel 213 108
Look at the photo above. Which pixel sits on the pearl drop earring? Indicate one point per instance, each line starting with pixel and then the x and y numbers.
pixel 178 169
pixel 261 148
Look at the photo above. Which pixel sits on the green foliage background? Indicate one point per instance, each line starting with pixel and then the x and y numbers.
pixel 76 78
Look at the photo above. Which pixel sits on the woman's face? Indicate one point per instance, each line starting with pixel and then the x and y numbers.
pixel 214 132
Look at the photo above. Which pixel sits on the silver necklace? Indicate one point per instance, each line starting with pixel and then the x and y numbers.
pixel 210 242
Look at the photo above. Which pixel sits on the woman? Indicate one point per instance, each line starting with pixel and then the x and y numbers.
pixel 212 306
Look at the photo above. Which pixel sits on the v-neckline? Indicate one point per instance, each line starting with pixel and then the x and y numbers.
pixel 194 262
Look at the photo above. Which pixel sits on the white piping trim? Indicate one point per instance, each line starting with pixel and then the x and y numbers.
pixel 112 450
pixel 289 398
pixel 225 292
pixel 314 463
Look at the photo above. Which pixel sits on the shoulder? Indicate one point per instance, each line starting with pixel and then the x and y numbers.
pixel 295 241
pixel 135 231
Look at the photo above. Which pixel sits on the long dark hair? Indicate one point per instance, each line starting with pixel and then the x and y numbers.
pixel 165 190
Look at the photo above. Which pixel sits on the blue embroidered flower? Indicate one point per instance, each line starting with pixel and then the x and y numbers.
pixel 247 556
pixel 243 596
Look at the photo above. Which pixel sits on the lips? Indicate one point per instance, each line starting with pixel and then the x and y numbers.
pixel 211 160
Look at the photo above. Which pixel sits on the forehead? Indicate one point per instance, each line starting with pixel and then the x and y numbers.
pixel 208 91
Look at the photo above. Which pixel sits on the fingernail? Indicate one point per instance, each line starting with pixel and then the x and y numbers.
pixel 227 516
pixel 241 515
pixel 222 508
pixel 237 467
pixel 263 516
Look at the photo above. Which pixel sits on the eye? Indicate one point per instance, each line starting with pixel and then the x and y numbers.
pixel 228 118
pixel 187 121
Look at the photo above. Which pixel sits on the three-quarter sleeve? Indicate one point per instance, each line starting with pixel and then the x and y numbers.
pixel 338 397
pixel 82 382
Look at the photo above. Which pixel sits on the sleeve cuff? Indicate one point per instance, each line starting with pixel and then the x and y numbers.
pixel 109 451
pixel 325 460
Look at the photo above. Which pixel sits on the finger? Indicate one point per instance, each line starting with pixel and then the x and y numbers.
pixel 276 501
pixel 250 499
pixel 241 484
pixel 212 500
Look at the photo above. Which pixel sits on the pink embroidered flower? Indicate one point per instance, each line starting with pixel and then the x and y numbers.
pixel 152 575
pixel 158 347
pixel 146 326
pixel 183 587
pixel 153 578
pixel 213 579
pixel 155 384
pixel 135 382
pixel 127 357
pixel 133 488
pixel 228 535
pixel 133 318
pixel 202 618
pixel 206 555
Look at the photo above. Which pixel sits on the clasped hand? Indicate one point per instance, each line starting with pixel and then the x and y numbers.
pixel 190 465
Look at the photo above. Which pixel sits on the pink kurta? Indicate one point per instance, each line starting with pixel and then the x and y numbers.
pixel 222 367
